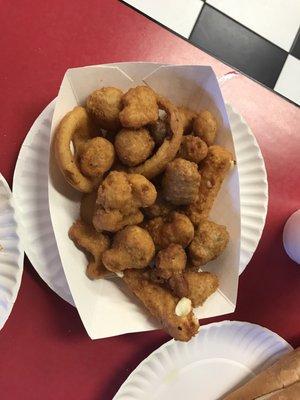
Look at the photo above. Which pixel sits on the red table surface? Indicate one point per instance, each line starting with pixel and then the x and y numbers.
pixel 45 352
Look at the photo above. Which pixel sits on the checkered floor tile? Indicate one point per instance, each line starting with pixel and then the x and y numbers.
pixel 260 38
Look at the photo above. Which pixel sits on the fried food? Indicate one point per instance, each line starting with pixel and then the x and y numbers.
pixel 97 157
pixel 87 207
pixel 181 181
pixel 105 105
pixel 160 208
pixel 205 126
pixel 193 149
pixel 174 228
pixel 140 107
pixel 133 146
pixel 119 198
pixel 213 172
pixel 167 151
pixel 75 123
pixel 161 304
pixel 200 286
pixel 159 130
pixel 187 117
pixel 132 248
pixel 209 241
pixel 93 244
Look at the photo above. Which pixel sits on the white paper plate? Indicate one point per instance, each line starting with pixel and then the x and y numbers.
pixel 11 253
pixel 218 359
pixel 31 195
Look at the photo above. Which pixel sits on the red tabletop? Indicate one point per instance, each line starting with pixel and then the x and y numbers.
pixel 45 352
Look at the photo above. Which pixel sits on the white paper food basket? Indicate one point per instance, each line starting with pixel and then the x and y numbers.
pixel 105 306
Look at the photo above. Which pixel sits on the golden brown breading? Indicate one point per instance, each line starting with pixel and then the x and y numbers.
pixel 209 241
pixel 161 304
pixel 167 151
pixel 97 157
pixel 132 248
pixel 160 208
pixel 187 118
pixel 119 198
pixel 180 182
pixel 140 107
pixel 114 220
pixel 93 244
pixel 200 286
pixel 75 123
pixel 104 105
pixel 193 149
pixel 174 228
pixel 170 260
pixel 87 207
pixel 213 171
pixel 133 146
pixel 205 126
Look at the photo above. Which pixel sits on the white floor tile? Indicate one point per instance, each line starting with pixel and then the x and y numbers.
pixel 288 83
pixel 178 15
pixel 275 20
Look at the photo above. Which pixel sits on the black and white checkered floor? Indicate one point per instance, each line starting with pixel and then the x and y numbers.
pixel 261 38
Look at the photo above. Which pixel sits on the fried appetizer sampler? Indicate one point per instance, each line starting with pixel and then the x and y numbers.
pixel 200 286
pixel 140 107
pixel 174 228
pixel 119 198
pixel 181 181
pixel 97 157
pixel 167 151
pixel 193 149
pixel 209 241
pixel 160 208
pixel 213 172
pixel 133 146
pixel 104 106
pixel 93 244
pixel 187 117
pixel 132 248
pixel 87 207
pixel 76 123
pixel 205 126
pixel 162 305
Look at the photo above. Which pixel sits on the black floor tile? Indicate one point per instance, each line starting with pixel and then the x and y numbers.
pixel 296 47
pixel 238 46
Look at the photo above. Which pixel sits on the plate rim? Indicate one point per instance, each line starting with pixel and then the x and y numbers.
pixel 173 342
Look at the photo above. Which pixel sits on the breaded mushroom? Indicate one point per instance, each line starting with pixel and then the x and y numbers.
pixel 193 149
pixel 97 157
pixel 205 126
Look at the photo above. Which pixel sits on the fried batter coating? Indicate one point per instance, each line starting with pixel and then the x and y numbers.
pixel 160 208
pixel 213 172
pixel 187 117
pixel 170 261
pixel 161 304
pixel 159 130
pixel 104 105
pixel 193 149
pixel 167 151
pixel 93 244
pixel 200 286
pixel 132 248
pixel 209 241
pixel 140 107
pixel 133 146
pixel 205 126
pixel 87 207
pixel 174 228
pixel 181 181
pixel 77 124
pixel 97 157
pixel 114 220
